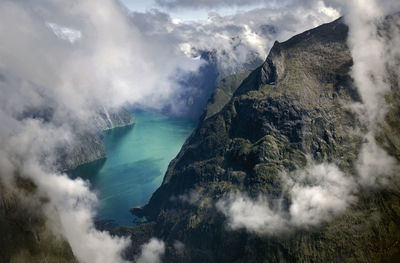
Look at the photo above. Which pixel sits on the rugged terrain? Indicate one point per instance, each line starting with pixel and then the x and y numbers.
pixel 291 110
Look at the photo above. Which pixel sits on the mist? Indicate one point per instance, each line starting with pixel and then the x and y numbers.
pixel 316 192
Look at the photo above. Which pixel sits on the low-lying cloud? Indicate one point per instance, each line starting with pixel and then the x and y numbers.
pixel 315 194
pixel 152 252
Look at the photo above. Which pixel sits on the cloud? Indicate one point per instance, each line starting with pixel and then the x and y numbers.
pixel 225 44
pixel 152 252
pixel 275 7
pixel 315 194
pixel 375 166
pixel 319 193
pixel 253 215
pixel 65 33
pixel 373 54
pixel 193 197
pixel 179 247
pixel 239 39
pixel 222 3
pixel 75 205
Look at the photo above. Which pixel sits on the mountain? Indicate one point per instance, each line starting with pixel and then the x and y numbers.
pixel 88 146
pixel 223 93
pixel 289 112
pixel 25 235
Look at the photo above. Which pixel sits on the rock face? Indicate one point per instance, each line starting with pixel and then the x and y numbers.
pixel 88 145
pixel 291 109
pixel 110 119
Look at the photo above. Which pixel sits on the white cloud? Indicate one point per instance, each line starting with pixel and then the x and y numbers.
pixel 152 252
pixel 254 215
pixel 316 194
pixel 75 205
pixel 65 33
pixel 374 165
pixel 188 4
pixel 319 193
pixel 370 51
pixel 241 38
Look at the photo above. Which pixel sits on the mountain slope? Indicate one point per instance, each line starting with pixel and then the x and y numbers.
pixel 289 112
pixel 223 93
pixel 25 235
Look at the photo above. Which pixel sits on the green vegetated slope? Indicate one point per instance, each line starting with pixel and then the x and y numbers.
pixel 223 93
pixel 25 237
pixel 293 106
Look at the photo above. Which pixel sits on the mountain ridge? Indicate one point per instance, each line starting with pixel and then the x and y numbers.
pixel 290 109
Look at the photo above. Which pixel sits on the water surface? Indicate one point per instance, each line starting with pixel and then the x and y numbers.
pixel 137 158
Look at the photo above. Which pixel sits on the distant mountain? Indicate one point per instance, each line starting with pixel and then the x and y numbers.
pixel 197 87
pixel 292 108
pixel 88 146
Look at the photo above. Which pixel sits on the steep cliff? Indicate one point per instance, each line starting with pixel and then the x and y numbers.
pixel 107 119
pixel 290 111
pixel 88 146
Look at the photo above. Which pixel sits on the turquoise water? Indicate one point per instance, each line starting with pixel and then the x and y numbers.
pixel 137 158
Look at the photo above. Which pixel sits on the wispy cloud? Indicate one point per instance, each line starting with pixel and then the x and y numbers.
pixel 152 252
pixel 315 194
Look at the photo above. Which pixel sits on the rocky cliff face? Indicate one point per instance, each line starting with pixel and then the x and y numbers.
pixel 290 111
pixel 107 119
pixel 88 146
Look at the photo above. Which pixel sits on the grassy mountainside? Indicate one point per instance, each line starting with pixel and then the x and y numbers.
pixel 223 93
pixel 24 234
pixel 293 106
